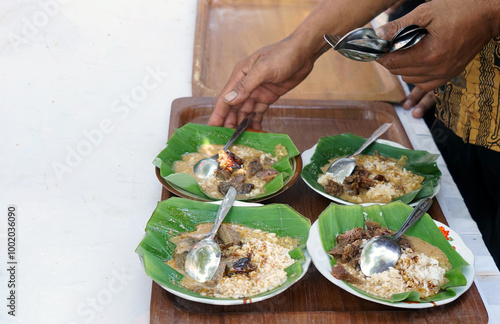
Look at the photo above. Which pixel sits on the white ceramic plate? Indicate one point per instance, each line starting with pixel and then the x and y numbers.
pixel 321 260
pixel 306 159
pixel 240 301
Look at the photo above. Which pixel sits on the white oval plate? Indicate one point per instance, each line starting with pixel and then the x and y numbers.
pixel 321 260
pixel 240 301
pixel 306 159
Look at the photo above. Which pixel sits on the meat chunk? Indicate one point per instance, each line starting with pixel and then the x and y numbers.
pixel 334 188
pixel 228 236
pixel 241 188
pixel 340 273
pixel 243 265
pixel 223 174
pixel 267 175
pixel 254 167
pixel 350 236
pixel 180 259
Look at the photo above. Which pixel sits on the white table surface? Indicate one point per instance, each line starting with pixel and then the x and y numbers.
pixel 86 89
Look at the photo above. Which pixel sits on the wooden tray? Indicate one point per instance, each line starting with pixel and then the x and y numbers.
pixel 314 298
pixel 229 30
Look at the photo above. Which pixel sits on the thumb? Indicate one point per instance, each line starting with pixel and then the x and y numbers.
pixel 388 30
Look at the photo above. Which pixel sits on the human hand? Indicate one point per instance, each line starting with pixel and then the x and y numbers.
pixel 458 30
pixel 420 101
pixel 259 80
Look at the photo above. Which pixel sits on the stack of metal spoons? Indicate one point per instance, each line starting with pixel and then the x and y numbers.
pixel 363 44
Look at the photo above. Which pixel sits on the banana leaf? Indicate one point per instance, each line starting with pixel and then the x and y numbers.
pixel 337 219
pixel 419 162
pixel 175 216
pixel 190 137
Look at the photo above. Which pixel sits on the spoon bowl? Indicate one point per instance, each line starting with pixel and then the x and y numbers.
pixel 407 39
pixel 372 44
pixel 343 167
pixel 359 33
pixel 205 168
pixel 383 252
pixel 203 258
pixel 359 55
pixel 363 44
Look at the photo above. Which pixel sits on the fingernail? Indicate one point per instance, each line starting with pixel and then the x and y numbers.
pixel 230 96
pixel 407 104
pixel 417 112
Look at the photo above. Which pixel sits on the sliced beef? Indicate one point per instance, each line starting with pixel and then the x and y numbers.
pixel 334 188
pixel 219 273
pixel 223 174
pixel 254 167
pixel 228 236
pixel 240 266
pixel 267 174
pixel 224 187
pixel 245 188
pixel 340 273
pixel 237 178
pixel 241 188
pixel 350 236
pixel 180 259
pixel 380 178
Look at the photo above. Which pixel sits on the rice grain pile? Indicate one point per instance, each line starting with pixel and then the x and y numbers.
pixel 413 272
pixel 271 260
pixel 269 255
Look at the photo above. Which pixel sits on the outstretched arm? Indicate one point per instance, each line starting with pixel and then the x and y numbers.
pixel 263 77
pixel 458 30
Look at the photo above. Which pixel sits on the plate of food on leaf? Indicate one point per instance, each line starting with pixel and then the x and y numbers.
pixel 263 250
pixel 258 165
pixel 385 171
pixel 435 268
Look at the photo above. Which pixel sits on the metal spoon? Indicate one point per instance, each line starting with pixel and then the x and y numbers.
pixel 383 252
pixel 343 167
pixel 407 39
pixel 204 257
pixel 377 44
pixel 362 44
pixel 205 168
pixel 350 51
pixel 359 55
pixel 358 33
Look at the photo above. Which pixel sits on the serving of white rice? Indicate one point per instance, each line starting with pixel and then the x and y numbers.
pixel 413 272
pixel 271 260
pixel 269 253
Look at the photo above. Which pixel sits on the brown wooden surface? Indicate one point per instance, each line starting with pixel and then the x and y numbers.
pixel 313 299
pixel 229 30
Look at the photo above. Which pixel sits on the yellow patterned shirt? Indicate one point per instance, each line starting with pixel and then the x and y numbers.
pixel 470 103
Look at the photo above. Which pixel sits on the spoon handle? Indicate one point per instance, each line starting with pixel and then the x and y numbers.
pixel 240 129
pixel 415 215
pixel 381 130
pixel 224 208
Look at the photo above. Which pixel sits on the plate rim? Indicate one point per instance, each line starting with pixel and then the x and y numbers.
pixel 306 159
pixel 468 271
pixel 296 162
pixel 238 301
